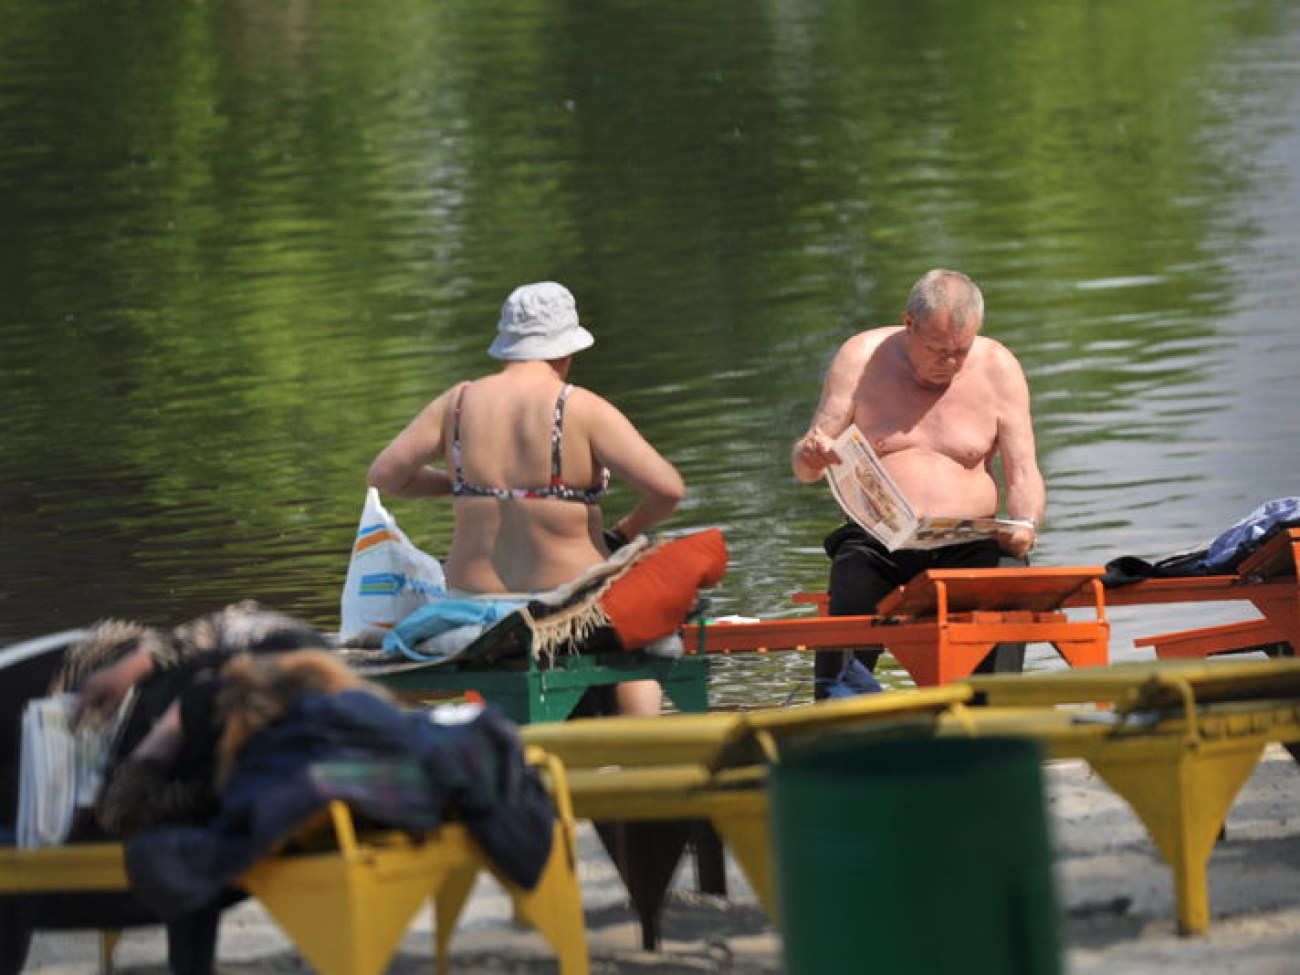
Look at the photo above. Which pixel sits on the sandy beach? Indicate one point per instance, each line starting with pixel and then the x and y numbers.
pixel 1115 892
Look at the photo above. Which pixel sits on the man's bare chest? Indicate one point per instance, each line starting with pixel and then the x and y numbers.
pixel 958 423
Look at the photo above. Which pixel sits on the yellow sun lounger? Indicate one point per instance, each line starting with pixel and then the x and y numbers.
pixel 688 767
pixel 348 899
pixel 1177 740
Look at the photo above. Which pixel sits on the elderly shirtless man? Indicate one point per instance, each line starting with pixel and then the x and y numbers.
pixel 939 403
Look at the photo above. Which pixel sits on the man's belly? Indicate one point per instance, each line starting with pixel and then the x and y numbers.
pixel 937 485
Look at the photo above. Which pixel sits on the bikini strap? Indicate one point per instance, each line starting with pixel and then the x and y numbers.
pixel 557 436
pixel 459 478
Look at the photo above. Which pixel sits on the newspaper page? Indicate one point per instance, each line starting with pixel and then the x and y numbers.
pixel 870 497
pixel 938 531
pixel 867 493
pixel 61 767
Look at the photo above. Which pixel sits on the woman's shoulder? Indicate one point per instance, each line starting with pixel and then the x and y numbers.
pixel 450 395
pixel 585 401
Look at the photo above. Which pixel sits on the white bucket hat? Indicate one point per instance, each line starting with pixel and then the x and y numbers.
pixel 539 321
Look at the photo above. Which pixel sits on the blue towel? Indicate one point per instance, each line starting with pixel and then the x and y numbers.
pixel 443 616
pixel 1246 535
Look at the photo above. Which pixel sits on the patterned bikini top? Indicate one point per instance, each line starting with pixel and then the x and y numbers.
pixel 556 490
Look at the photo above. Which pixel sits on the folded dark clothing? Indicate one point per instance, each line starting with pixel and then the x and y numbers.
pixel 426 766
pixel 1223 554
pixel 1128 569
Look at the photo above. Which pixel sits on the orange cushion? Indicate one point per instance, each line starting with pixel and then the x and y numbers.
pixel 653 597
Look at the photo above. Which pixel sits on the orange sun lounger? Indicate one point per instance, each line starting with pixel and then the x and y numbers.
pixel 1266 579
pixel 943 623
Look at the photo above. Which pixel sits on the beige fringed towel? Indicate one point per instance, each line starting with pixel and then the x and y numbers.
pixel 564 617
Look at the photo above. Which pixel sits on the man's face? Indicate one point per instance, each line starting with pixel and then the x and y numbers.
pixel 937 347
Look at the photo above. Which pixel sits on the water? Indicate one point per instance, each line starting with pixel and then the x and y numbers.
pixel 244 242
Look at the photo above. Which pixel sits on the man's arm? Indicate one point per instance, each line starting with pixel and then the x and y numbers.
pixel 401 468
pixel 1026 493
pixel 813 452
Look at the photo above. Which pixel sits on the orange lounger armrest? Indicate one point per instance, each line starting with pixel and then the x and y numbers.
pixel 809 632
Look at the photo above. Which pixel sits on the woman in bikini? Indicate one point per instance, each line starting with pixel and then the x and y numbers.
pixel 528 458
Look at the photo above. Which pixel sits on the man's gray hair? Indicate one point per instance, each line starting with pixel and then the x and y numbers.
pixel 951 290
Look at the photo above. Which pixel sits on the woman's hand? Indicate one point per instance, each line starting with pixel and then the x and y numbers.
pixel 103 691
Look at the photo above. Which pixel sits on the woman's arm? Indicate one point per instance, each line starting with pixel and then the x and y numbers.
pixel 618 445
pixel 401 469
pixel 103 690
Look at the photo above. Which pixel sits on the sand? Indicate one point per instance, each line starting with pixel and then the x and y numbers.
pixel 1115 892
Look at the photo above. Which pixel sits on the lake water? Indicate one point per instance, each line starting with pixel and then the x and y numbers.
pixel 244 242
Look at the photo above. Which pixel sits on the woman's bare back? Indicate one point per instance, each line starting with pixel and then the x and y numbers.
pixel 520 544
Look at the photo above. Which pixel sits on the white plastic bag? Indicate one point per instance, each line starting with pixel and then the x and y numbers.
pixel 388 577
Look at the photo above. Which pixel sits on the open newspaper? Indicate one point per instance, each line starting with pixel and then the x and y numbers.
pixel 870 497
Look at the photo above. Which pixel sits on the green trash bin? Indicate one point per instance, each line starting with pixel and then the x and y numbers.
pixel 922 856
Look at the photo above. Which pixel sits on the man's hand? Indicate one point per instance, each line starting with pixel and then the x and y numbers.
pixel 1019 542
pixel 812 454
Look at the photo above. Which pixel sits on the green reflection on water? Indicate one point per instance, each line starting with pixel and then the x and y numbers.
pixel 244 242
